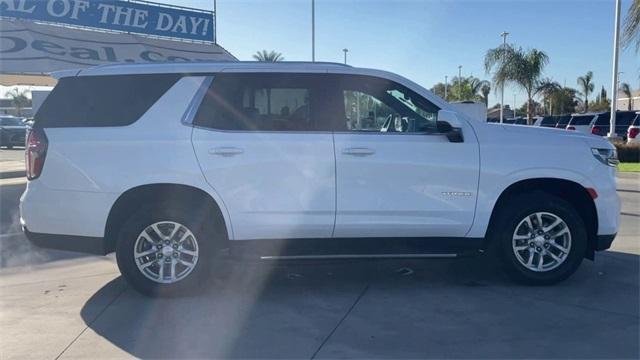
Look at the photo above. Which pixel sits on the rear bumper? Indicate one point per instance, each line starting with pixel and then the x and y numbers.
pixel 83 244
pixel 603 242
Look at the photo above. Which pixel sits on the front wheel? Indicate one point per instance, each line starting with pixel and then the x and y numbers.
pixel 542 239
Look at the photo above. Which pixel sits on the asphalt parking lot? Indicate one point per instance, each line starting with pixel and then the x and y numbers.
pixel 56 304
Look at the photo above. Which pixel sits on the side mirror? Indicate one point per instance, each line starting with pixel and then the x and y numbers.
pixel 449 125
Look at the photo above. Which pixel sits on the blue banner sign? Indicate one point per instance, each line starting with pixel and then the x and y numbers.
pixel 129 16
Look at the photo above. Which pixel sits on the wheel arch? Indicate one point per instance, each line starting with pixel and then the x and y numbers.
pixel 571 191
pixel 133 198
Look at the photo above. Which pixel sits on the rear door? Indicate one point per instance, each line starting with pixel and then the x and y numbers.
pixel 396 175
pixel 260 142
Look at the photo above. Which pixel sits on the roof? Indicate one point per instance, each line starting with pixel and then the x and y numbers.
pixel 249 66
pixel 200 67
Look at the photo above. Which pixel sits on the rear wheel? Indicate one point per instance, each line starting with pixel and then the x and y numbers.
pixel 165 251
pixel 541 238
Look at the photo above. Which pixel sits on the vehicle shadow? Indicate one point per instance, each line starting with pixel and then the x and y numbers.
pixel 384 308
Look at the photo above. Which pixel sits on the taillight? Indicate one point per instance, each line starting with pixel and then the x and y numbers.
pixel 571 128
pixel 35 152
pixel 595 131
pixel 633 132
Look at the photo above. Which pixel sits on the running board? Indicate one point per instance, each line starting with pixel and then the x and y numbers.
pixel 357 256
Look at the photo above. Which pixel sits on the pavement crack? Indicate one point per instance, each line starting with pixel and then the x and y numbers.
pixel 364 290
pixel 92 321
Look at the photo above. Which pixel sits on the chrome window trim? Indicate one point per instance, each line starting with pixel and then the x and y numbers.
pixel 377 133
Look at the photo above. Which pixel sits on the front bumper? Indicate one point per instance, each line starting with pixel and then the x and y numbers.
pixel 83 244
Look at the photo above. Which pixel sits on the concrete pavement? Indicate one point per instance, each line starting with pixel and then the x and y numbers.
pixel 63 305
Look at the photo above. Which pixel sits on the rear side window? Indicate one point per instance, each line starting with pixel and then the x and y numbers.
pixel 624 118
pixel 548 121
pixel 92 101
pixel 264 102
pixel 563 120
pixel 603 119
pixel 581 120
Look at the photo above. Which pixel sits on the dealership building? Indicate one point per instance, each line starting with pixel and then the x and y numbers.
pixel 39 37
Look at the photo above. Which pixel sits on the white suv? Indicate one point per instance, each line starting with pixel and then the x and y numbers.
pixel 166 164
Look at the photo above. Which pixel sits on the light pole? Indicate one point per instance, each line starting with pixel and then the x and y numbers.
pixel 459 82
pixel 445 87
pixel 504 47
pixel 345 50
pixel 514 104
pixel 313 30
pixel 614 81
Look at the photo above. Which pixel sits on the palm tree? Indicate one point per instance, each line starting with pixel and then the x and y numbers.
pixel 268 56
pixel 586 87
pixel 19 99
pixel 523 68
pixel 626 90
pixel 548 88
pixel 631 32
pixel 485 90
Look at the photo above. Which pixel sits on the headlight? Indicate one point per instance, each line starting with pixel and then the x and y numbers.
pixel 606 156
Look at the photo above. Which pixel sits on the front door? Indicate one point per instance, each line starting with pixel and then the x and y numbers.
pixel 257 140
pixel 396 175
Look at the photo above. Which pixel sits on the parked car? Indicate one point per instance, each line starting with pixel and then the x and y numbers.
pixel 167 164
pixel 12 131
pixel 601 125
pixel 563 121
pixel 582 122
pixel 633 133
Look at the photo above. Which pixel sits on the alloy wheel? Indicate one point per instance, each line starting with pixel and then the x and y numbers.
pixel 166 252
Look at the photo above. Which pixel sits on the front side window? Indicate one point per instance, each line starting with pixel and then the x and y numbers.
pixel 379 105
pixel 261 102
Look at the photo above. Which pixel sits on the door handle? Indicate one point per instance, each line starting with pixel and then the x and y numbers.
pixel 358 151
pixel 226 151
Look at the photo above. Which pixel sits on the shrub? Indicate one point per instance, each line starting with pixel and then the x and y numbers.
pixel 628 152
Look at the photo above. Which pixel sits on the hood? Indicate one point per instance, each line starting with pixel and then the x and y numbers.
pixel 544 132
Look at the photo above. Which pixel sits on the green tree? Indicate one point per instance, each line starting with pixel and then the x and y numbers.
pixel 548 88
pixel 631 33
pixel 485 89
pixel 466 88
pixel 517 66
pixel 19 99
pixel 268 56
pixel 438 89
pixel 585 84
pixel 564 101
pixel 626 90
pixel 463 89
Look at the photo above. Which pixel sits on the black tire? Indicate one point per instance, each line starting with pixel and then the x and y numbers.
pixel 206 226
pixel 515 211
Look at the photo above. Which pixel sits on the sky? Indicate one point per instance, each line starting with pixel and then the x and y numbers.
pixel 424 40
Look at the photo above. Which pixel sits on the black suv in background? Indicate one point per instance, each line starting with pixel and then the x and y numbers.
pixel 623 121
